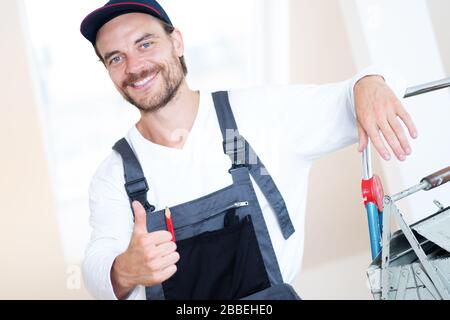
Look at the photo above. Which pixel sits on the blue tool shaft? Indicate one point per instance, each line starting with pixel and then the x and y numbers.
pixel 374 229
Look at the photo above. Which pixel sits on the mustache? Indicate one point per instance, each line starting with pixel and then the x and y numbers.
pixel 135 77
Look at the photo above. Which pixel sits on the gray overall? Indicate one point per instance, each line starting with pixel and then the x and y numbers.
pixel 225 249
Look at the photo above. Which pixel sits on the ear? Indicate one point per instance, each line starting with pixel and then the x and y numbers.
pixel 178 43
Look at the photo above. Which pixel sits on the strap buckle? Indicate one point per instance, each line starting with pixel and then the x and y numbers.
pixel 235 147
pixel 149 207
pixel 136 188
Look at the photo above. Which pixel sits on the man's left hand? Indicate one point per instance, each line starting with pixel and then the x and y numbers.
pixel 379 114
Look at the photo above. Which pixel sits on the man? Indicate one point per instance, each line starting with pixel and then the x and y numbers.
pixel 238 233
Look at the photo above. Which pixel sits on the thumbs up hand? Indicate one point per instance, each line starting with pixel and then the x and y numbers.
pixel 149 260
pixel 140 219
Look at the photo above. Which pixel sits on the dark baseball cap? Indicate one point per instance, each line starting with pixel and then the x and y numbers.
pixel 114 8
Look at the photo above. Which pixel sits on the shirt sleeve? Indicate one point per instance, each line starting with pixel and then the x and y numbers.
pixel 112 225
pixel 311 120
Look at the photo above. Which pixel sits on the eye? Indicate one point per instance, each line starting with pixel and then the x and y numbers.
pixel 115 60
pixel 146 45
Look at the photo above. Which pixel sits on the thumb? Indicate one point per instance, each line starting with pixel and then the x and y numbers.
pixel 363 139
pixel 140 218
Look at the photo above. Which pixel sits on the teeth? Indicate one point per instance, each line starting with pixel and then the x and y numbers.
pixel 144 81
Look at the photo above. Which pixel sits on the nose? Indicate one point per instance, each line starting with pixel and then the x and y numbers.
pixel 134 64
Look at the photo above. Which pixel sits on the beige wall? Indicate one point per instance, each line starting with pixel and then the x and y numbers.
pixel 336 236
pixel 32 265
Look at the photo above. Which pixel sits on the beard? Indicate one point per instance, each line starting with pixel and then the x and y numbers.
pixel 172 78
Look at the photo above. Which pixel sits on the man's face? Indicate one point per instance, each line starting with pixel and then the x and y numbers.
pixel 142 59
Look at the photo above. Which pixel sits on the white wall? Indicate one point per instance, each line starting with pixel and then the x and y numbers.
pixel 400 34
pixel 440 17
pixel 330 41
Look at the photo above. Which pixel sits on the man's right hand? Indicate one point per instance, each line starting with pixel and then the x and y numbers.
pixel 149 260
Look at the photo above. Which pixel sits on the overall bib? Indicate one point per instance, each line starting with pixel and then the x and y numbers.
pixel 225 249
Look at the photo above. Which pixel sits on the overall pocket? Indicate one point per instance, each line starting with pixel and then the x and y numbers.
pixel 219 265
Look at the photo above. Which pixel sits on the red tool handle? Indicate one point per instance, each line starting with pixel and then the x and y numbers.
pixel 372 191
pixel 438 179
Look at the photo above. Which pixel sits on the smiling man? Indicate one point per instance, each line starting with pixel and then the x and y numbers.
pixel 239 231
pixel 149 89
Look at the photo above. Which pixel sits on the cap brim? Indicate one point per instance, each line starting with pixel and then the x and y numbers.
pixel 94 21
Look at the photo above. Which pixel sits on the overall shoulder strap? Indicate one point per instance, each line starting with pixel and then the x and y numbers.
pixel 243 155
pixel 135 181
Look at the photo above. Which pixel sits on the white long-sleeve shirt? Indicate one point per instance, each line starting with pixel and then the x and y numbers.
pixel 287 126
